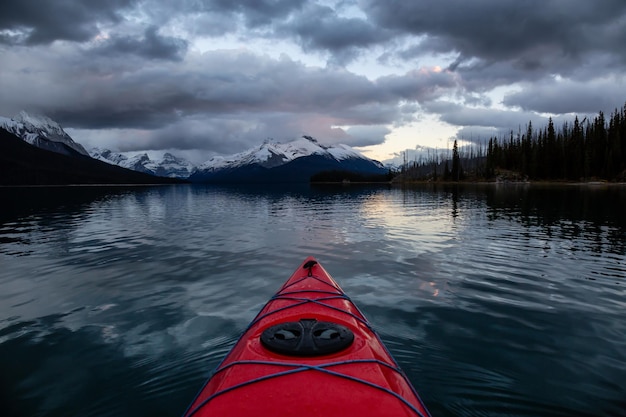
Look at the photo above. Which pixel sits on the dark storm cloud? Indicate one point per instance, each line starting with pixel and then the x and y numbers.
pixel 420 85
pixel 219 83
pixel 502 43
pixel 254 13
pixel 244 96
pixel 459 115
pixel 320 28
pixel 226 134
pixel 225 99
pixel 220 135
pixel 151 45
pixel 569 97
pixel 186 74
pixel 524 32
pixel 316 28
pixel 34 22
pixel 258 12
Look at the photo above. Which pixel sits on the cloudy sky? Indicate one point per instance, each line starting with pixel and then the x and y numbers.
pixel 210 77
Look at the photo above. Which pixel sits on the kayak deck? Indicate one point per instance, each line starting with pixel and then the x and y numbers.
pixel 353 377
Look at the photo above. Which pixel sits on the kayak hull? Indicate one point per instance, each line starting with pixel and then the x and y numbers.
pixel 360 379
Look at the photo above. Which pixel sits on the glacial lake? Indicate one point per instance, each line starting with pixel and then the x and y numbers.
pixel 496 300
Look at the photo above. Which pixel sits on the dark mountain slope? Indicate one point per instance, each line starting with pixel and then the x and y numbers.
pixel 299 170
pixel 25 164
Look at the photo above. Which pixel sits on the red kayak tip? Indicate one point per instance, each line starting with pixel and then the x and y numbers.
pixel 308 352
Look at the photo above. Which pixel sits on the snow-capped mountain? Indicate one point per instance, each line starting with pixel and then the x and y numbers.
pixel 294 161
pixel 169 166
pixel 42 132
pixel 136 163
pixel 174 167
pixel 107 155
pixel 272 154
pixel 24 164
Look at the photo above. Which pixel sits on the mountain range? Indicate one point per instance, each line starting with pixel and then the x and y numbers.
pixel 295 161
pixel 35 150
pixel 168 166
pixel 271 162
pixel 24 164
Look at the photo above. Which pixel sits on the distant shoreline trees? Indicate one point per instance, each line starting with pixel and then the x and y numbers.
pixel 582 150
pixel 338 176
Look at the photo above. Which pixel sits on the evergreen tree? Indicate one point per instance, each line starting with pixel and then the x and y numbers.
pixel 551 150
pixel 578 150
pixel 490 162
pixel 526 151
pixel 456 173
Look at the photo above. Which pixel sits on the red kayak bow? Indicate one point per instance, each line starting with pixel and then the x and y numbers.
pixel 309 352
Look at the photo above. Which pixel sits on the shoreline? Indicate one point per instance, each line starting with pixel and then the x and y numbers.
pixel 529 182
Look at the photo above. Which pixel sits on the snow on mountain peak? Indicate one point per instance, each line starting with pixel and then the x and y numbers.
pixel 107 155
pixel 168 166
pixel 39 122
pixel 271 154
pixel 40 130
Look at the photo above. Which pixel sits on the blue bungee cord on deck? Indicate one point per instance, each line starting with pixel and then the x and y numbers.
pixel 296 367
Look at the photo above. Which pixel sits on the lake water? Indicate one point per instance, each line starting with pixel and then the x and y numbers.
pixel 495 300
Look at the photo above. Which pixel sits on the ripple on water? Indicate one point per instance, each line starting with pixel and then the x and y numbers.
pixel 118 302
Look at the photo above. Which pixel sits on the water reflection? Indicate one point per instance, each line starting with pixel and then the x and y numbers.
pixel 559 211
pixel 567 212
pixel 495 300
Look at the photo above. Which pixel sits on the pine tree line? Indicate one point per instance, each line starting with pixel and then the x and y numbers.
pixel 581 150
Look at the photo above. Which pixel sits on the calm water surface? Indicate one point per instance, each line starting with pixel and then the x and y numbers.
pixel 496 301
